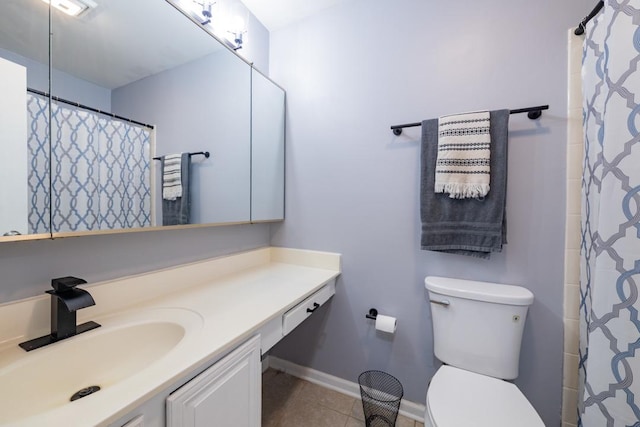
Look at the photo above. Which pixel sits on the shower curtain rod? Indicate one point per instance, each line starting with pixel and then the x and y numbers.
pixel 84 107
pixel 204 153
pixel 581 26
pixel 533 113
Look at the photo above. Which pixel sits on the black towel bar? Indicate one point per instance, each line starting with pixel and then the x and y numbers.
pixel 204 153
pixel 532 112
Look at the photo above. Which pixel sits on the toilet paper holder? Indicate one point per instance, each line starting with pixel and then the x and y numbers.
pixel 373 314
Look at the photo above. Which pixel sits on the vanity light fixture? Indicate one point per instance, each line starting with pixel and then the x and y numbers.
pixel 221 18
pixel 206 7
pixel 72 7
pixel 237 30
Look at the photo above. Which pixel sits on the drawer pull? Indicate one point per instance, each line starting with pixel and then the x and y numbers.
pixel 315 307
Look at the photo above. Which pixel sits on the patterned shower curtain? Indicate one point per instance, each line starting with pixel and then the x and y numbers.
pixel 100 172
pixel 38 148
pixel 609 392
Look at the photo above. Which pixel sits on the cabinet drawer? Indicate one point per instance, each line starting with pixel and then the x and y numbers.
pixel 297 314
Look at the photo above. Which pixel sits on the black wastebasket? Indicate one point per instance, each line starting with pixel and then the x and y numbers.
pixel 381 395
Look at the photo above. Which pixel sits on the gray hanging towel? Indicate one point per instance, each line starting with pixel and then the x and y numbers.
pixel 474 227
pixel 178 211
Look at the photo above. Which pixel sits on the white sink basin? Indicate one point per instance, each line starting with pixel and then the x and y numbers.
pixel 46 378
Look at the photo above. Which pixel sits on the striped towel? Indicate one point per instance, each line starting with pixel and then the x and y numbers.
pixel 462 167
pixel 172 177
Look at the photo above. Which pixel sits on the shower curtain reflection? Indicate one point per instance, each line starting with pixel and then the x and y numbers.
pixel 100 171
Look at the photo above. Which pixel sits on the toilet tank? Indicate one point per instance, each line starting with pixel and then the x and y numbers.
pixel 478 326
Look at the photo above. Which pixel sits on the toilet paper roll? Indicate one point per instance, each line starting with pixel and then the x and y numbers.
pixel 386 323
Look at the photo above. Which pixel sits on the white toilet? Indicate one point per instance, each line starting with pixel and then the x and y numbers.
pixel 477 331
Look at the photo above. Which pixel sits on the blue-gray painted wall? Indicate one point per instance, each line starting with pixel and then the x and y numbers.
pixel 203 105
pixel 63 84
pixel 352 186
pixel 28 267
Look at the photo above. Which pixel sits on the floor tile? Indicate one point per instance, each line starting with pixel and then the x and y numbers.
pixel 288 401
pixel 358 413
pixel 356 410
pixel 269 374
pixel 318 395
pixel 278 389
pixel 304 413
pixel 403 421
pixel 352 422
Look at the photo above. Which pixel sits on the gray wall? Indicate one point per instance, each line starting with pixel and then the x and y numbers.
pixel 204 105
pixel 255 48
pixel 352 187
pixel 28 267
pixel 63 84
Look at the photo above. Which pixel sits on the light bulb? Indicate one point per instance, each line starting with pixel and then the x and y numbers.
pixel 237 24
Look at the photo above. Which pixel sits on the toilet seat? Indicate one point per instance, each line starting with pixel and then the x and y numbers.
pixel 461 398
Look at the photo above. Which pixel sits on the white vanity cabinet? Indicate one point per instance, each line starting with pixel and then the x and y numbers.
pixel 228 394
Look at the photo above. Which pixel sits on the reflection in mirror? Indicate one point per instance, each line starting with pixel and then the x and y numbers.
pixel 131 81
pixel 148 64
pixel 24 164
pixel 203 105
pixel 267 148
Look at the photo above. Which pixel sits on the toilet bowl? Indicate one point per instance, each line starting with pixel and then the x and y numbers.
pixel 477 333
pixel 461 398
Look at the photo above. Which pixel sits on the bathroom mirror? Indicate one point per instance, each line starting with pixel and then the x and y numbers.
pixel 168 87
pixel 179 91
pixel 267 145
pixel 24 164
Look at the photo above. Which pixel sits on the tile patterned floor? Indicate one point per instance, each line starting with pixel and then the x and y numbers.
pixel 288 401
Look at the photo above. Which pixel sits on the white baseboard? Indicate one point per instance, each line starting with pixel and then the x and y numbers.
pixel 411 410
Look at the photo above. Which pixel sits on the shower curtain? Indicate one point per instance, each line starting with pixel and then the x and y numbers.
pixel 609 392
pixel 100 172
pixel 38 178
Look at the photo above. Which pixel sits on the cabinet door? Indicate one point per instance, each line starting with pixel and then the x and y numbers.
pixel 225 395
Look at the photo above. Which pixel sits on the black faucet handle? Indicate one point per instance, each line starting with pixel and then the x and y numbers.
pixel 63 284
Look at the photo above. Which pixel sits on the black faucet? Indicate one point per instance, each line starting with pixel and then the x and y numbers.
pixel 66 300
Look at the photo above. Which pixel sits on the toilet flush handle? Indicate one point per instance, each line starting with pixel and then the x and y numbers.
pixel 443 303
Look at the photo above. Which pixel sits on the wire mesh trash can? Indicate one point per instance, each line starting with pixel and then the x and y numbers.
pixel 381 395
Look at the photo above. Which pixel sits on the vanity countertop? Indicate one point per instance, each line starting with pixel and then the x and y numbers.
pixel 226 301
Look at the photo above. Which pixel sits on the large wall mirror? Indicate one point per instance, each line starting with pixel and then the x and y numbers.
pixel 139 93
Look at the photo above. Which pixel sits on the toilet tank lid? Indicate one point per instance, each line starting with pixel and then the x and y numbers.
pixel 479 291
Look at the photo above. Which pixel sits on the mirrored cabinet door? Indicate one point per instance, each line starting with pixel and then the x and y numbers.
pixel 128 88
pixel 99 164
pixel 24 109
pixel 268 149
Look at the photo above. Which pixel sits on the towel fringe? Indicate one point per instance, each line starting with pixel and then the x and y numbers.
pixel 458 190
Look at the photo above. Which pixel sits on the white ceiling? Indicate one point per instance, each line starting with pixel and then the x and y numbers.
pixel 276 14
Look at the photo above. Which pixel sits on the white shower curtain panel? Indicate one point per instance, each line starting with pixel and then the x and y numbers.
pixel 609 392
